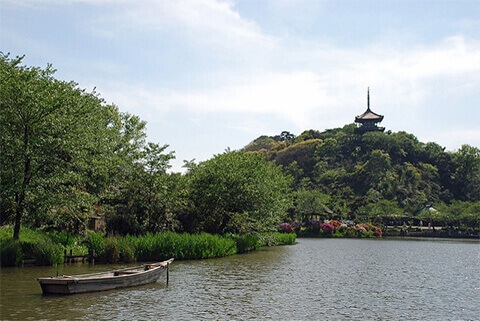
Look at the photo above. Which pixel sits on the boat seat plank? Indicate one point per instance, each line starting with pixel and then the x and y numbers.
pixel 116 273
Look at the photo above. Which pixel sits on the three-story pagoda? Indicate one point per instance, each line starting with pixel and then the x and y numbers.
pixel 367 122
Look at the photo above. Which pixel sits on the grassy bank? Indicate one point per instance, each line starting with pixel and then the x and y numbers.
pixel 49 248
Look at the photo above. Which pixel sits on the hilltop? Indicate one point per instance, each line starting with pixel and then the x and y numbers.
pixel 341 173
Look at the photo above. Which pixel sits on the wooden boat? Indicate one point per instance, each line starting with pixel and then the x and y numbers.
pixel 82 283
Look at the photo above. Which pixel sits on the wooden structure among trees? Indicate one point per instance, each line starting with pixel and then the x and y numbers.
pixel 367 122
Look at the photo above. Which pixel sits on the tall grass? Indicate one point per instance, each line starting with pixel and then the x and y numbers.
pixel 157 247
pixel 152 247
pixel 275 239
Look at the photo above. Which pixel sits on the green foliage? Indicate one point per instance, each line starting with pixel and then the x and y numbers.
pixel 247 243
pixel 154 247
pixel 149 196
pixel 31 245
pixel 457 213
pixel 302 153
pixel 375 173
pixel 126 251
pixel 66 155
pixel 110 249
pixel 181 246
pixel 467 173
pixel 251 242
pixel 64 238
pixel 382 208
pixel 95 242
pixel 310 203
pixel 45 252
pixel 275 239
pixel 11 252
pixel 236 192
pixel 50 132
pixel 262 143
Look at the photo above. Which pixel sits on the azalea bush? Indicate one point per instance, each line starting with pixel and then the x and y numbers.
pixel 327 228
pixel 286 228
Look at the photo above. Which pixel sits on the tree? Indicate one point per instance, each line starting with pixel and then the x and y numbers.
pixel 309 203
pixel 50 130
pixel 467 173
pixel 302 153
pixel 236 192
pixel 143 204
pixel 372 172
pixel 382 209
pixel 285 136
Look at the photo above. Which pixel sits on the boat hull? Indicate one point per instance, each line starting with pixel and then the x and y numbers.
pixel 103 281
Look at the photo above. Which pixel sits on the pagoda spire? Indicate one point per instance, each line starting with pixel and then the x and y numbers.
pixel 368 98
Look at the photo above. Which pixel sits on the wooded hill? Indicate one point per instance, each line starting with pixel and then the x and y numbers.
pixel 343 174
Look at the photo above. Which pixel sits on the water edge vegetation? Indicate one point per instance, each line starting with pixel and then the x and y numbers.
pixel 48 248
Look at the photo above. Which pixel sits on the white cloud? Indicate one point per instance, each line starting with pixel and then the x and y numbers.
pixel 296 81
pixel 334 88
pixel 206 22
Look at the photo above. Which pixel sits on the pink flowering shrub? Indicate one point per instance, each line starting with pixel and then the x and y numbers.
pixel 327 228
pixel 286 228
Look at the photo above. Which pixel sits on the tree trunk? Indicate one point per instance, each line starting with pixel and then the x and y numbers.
pixel 18 216
pixel 26 180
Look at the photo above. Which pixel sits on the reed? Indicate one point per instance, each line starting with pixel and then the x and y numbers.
pixel 154 247
pixel 275 239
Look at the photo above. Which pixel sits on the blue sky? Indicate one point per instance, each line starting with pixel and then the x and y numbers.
pixel 208 75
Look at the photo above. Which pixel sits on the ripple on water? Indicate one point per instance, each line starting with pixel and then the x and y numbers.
pixel 317 279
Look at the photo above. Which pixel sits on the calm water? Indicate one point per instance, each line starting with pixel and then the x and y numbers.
pixel 317 279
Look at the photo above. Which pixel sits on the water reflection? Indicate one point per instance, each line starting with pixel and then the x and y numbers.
pixel 317 279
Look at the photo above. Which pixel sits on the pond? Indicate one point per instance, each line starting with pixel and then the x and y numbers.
pixel 316 279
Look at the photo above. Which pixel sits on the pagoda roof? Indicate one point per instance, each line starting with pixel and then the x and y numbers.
pixel 368 115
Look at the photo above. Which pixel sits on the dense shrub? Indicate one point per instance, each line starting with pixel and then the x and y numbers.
pixel 247 243
pixel 285 228
pixel 11 253
pixel 32 245
pixel 45 252
pixel 327 228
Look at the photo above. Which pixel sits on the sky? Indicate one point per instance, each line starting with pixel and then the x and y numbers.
pixel 208 75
